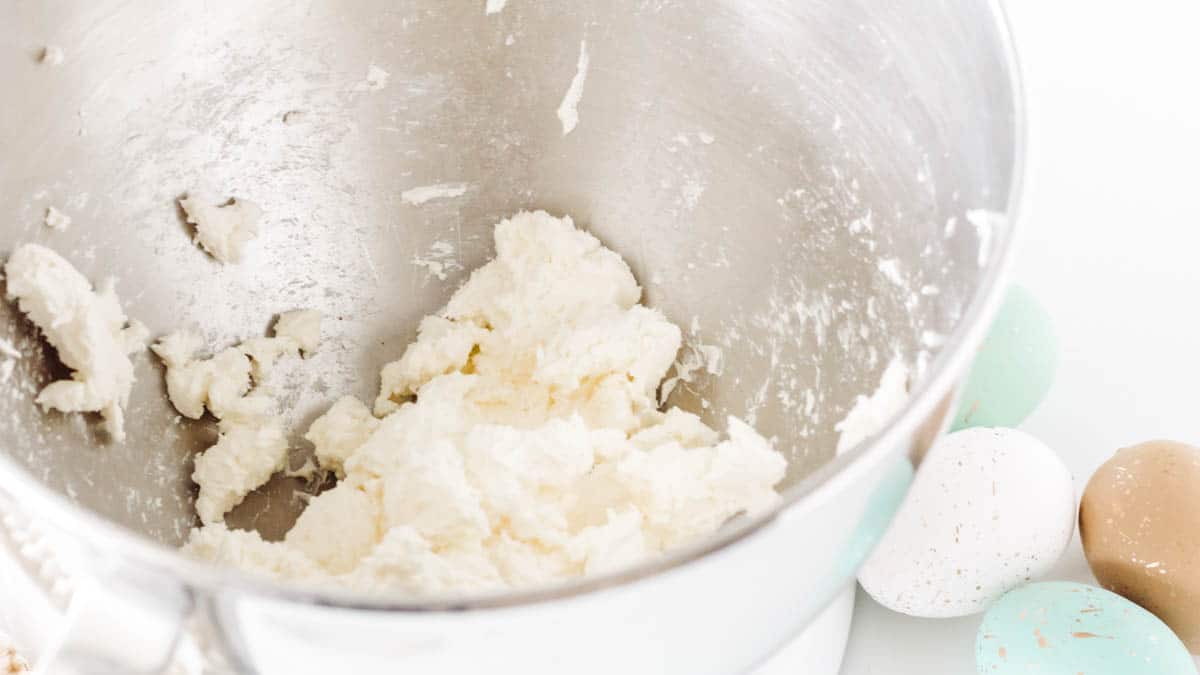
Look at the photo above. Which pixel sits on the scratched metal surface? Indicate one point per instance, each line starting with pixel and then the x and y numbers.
pixel 754 162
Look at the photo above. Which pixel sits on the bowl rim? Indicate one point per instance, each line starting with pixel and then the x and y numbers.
pixel 824 483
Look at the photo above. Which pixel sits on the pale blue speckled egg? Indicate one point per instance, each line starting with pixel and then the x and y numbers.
pixel 1065 628
pixel 1014 367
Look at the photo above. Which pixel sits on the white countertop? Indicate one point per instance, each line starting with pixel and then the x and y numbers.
pixel 1112 247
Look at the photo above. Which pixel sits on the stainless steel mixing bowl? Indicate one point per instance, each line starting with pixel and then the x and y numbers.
pixel 804 184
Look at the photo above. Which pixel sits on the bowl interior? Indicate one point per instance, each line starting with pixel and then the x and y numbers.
pixel 790 182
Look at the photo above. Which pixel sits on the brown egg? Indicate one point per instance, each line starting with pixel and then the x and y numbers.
pixel 1140 523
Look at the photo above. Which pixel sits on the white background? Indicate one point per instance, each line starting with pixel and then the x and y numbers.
pixel 1112 247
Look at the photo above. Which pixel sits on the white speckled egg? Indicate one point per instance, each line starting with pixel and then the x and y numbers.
pixel 989 510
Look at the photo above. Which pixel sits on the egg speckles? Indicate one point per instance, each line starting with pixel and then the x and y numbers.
pixel 1064 628
pixel 1140 524
pixel 989 510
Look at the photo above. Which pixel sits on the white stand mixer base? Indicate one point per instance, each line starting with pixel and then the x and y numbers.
pixel 819 649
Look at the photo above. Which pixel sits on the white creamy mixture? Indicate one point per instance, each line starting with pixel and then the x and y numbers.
pixel 519 442
pixel 376 79
pixel 52 55
pixel 222 228
pixel 419 195
pixel 871 413
pixel 568 109
pixel 87 327
pixel 56 220
pixel 252 443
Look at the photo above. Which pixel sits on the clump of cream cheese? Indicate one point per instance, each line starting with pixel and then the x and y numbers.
pixel 870 414
pixel 87 327
pixel 516 442
pixel 223 228
pixel 252 442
